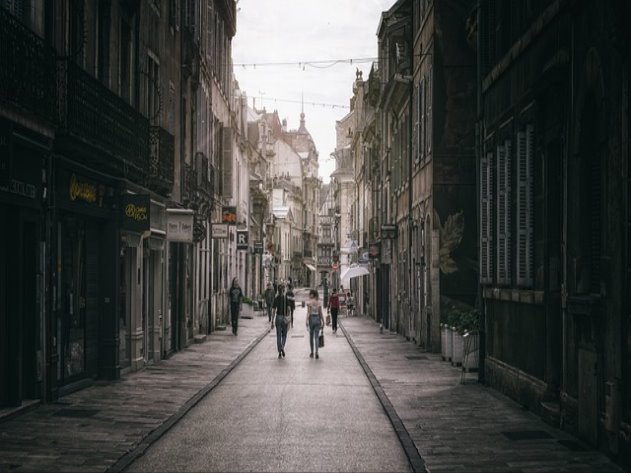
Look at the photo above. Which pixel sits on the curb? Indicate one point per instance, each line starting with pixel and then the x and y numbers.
pixel 414 457
pixel 163 428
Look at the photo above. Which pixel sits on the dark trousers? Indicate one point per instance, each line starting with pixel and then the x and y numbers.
pixel 334 318
pixel 234 317
pixel 281 333
pixel 269 312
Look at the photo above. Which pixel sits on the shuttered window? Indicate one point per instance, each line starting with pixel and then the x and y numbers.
pixel 504 213
pixel 525 150
pixel 227 162
pixel 419 119
pixel 428 111
pixel 486 224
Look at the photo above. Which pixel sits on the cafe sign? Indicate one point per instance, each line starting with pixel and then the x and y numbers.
pixel 180 225
pixel 135 211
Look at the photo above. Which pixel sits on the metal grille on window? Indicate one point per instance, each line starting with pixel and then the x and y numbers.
pixel 504 213
pixel 486 224
pixel 525 148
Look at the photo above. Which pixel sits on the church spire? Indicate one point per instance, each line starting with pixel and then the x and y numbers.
pixel 302 114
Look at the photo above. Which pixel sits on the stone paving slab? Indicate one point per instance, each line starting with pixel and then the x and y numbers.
pixel 460 427
pixel 124 412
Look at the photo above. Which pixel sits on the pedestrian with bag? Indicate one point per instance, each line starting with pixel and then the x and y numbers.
pixel 315 321
pixel 291 305
pixel 236 296
pixel 269 297
pixel 282 320
pixel 334 308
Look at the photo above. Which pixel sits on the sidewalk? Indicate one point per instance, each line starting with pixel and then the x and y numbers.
pixel 463 427
pixel 92 429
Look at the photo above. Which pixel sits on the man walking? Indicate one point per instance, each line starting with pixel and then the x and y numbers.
pixel 269 301
pixel 280 305
pixel 334 307
pixel 236 295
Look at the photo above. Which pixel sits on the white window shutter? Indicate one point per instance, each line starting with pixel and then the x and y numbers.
pixel 503 213
pixel 486 206
pixel 428 106
pixel 525 263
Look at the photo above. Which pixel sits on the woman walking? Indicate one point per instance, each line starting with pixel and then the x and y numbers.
pixel 291 305
pixel 235 294
pixel 315 321
pixel 280 304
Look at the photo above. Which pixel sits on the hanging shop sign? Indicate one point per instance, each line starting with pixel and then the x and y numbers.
pixel 242 240
pixel 180 225
pixel 373 251
pixel 258 247
pixel 5 153
pixel 388 232
pixel 229 215
pixel 219 231
pixel 82 193
pixel 135 211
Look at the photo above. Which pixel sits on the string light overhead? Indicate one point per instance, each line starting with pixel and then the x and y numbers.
pixel 321 63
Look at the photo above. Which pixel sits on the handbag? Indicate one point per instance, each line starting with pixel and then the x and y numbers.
pixel 321 339
pixel 286 318
pixel 328 319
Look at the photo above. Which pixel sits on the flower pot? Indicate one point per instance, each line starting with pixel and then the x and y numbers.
pixel 457 347
pixel 470 363
pixel 445 342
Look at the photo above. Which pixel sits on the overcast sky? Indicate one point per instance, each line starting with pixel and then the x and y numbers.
pixel 302 31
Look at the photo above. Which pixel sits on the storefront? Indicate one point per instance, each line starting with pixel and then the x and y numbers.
pixel 143 269
pixel 84 244
pixel 22 272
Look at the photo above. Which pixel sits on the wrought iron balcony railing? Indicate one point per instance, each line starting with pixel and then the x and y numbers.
pixel 308 253
pixel 161 159
pixel 94 115
pixel 27 70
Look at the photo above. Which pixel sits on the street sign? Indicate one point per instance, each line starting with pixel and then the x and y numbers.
pixel 229 215
pixel 258 247
pixel 219 230
pixel 242 240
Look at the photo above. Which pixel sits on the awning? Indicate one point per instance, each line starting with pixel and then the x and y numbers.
pixel 311 267
pixel 354 272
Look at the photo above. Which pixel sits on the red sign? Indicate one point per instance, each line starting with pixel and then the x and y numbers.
pixel 334 267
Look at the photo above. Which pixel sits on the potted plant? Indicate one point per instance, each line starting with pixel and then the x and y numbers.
pixel 469 323
pixel 456 343
pixel 445 342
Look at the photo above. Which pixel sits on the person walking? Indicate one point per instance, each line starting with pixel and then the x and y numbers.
pixel 334 308
pixel 291 305
pixel 280 305
pixel 315 321
pixel 236 296
pixel 269 297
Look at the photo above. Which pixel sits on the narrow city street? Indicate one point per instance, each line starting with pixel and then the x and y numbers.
pixel 292 414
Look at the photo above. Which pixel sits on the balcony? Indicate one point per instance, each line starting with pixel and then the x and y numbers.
pixel 28 70
pixel 197 185
pixel 307 253
pixel 161 159
pixel 102 123
pixel 325 261
pixel 325 241
pixel 297 255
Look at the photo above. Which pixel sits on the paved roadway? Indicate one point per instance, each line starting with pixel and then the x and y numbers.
pixel 293 414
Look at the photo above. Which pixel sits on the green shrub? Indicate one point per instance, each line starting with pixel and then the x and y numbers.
pixel 247 300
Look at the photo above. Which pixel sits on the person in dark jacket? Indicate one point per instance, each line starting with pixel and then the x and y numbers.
pixel 334 308
pixel 291 304
pixel 280 305
pixel 236 295
pixel 269 296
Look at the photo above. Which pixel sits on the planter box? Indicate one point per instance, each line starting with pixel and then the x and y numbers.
pixel 445 342
pixel 471 343
pixel 457 347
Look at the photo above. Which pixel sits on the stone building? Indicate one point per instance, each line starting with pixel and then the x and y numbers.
pixel 553 158
pixel 108 173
